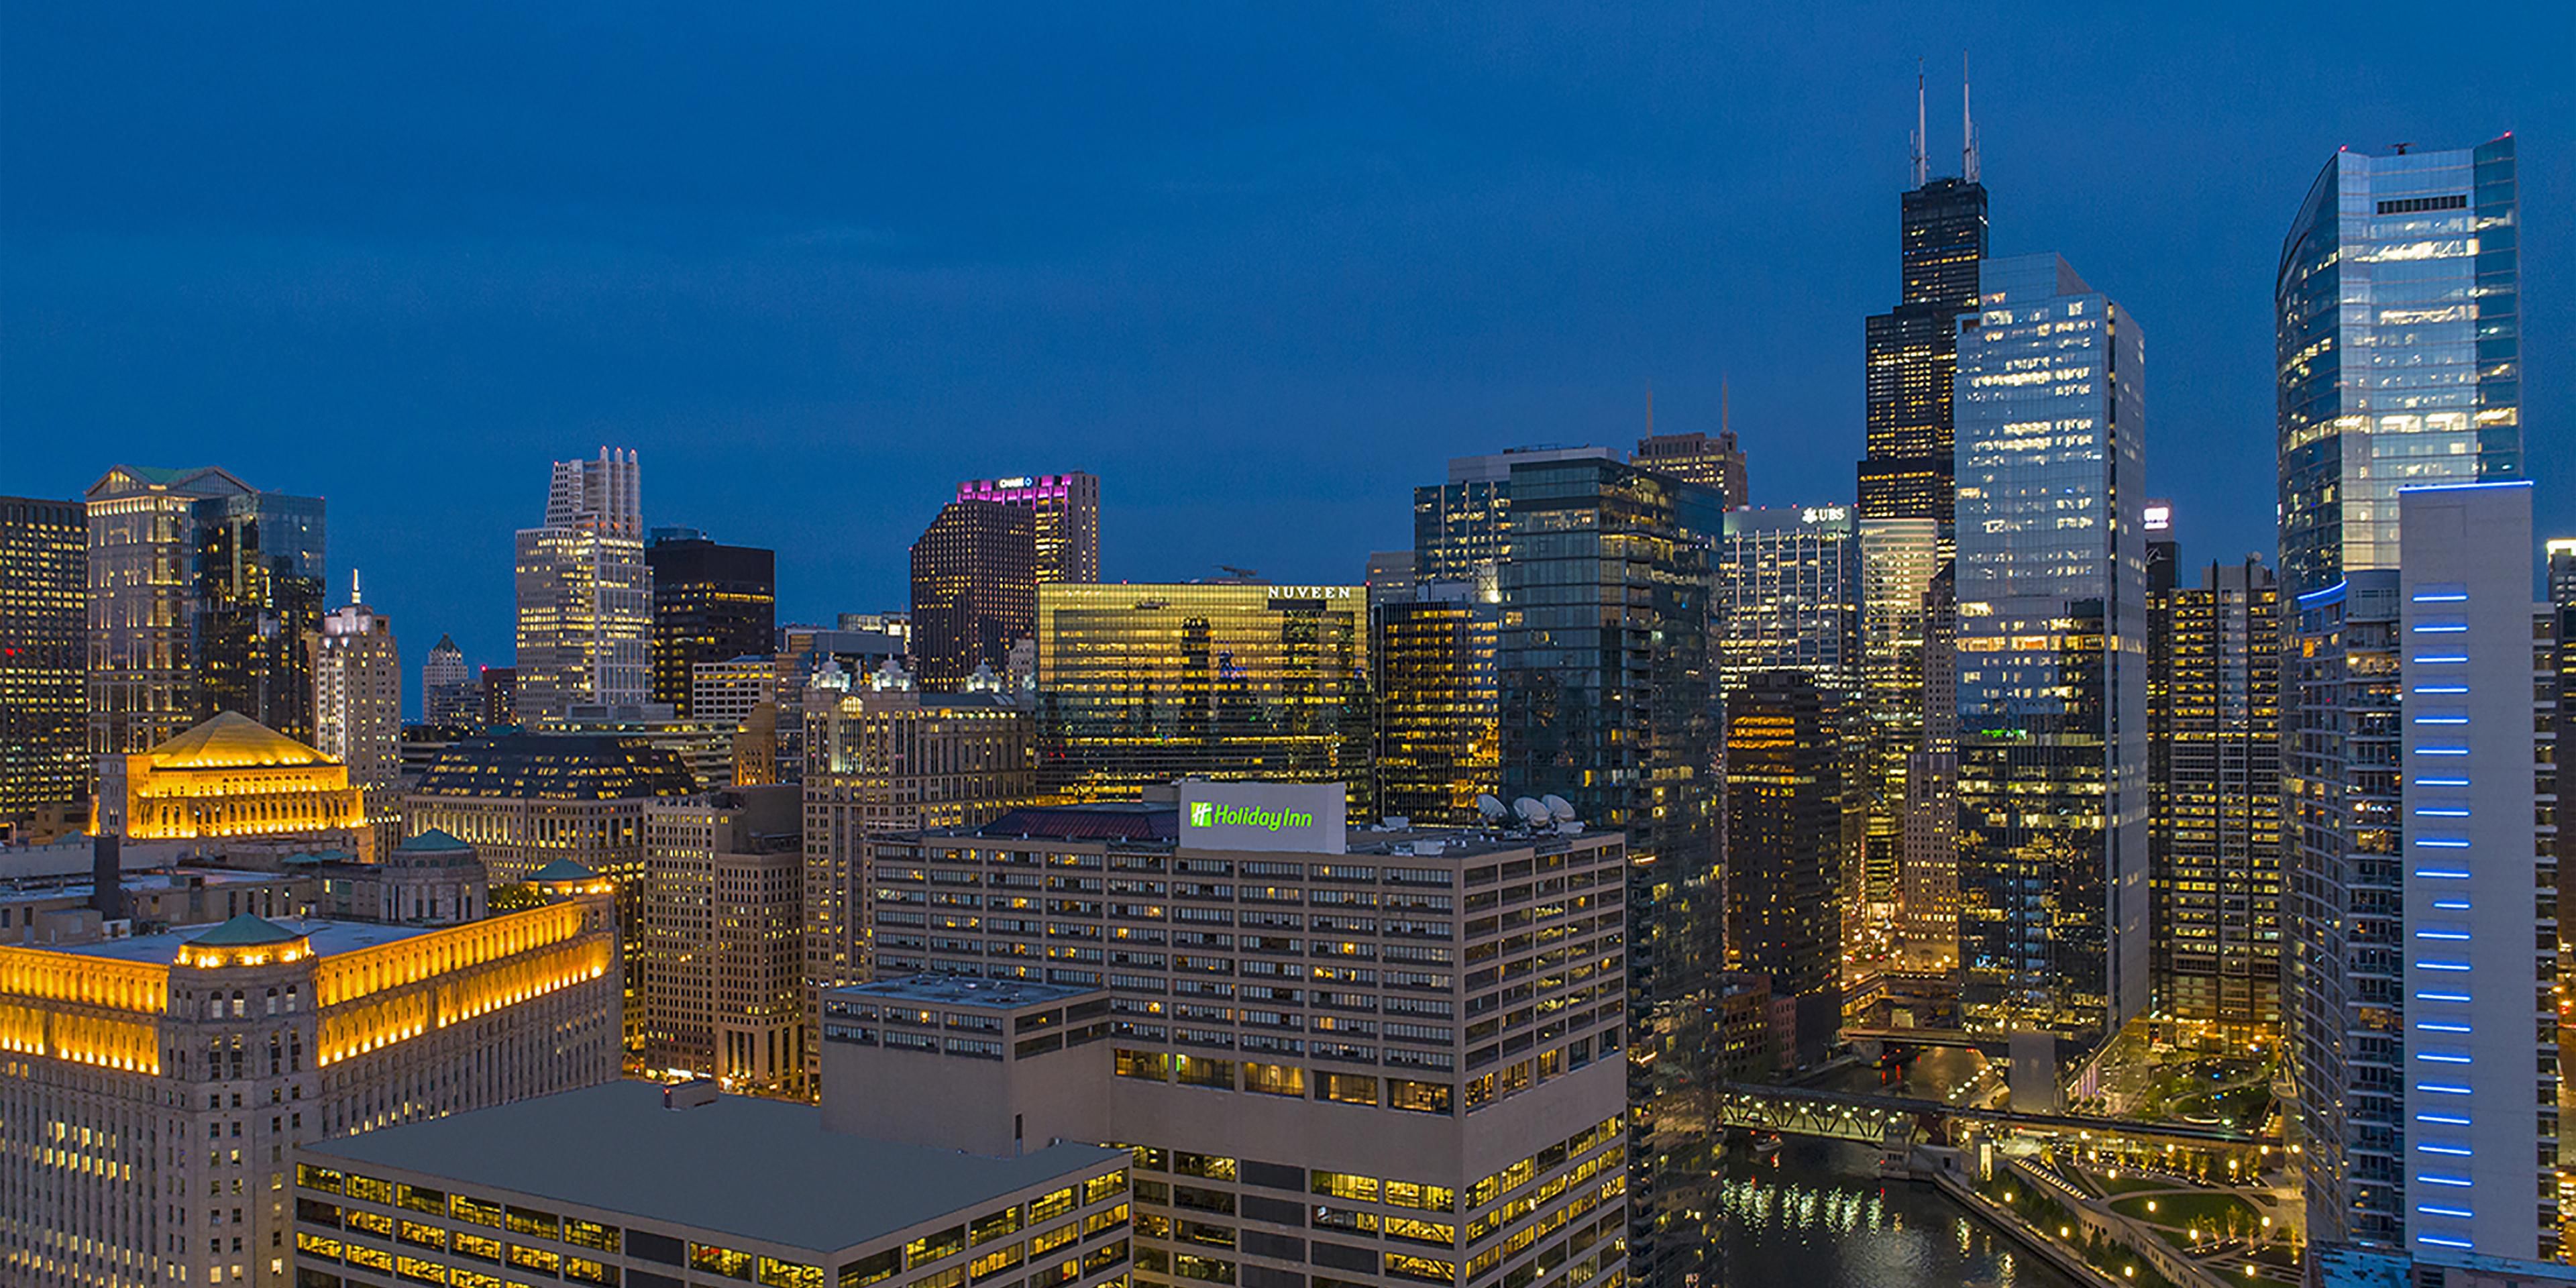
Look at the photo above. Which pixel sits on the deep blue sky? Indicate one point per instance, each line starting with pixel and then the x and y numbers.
pixel 1261 270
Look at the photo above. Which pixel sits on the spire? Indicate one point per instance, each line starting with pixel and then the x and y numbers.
pixel 1967 127
pixel 1650 409
pixel 354 596
pixel 1725 422
pixel 1922 163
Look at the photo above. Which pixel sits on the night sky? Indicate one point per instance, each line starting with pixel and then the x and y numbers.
pixel 1263 271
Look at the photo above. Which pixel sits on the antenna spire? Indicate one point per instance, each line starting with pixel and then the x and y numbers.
pixel 1650 409
pixel 1967 127
pixel 354 597
pixel 1725 420
pixel 1922 163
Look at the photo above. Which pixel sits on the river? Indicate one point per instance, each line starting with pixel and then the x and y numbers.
pixel 1817 1216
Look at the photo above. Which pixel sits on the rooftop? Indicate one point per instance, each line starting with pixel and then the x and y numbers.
pixel 327 938
pixel 762 1169
pixel 961 990
pixel 557 766
pixel 1155 825
pixel 231 741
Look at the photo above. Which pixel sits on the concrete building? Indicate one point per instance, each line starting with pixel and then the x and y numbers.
pixel 1065 509
pixel 44 614
pixel 156 1084
pixel 230 778
pixel 722 963
pixel 357 708
pixel 649 1187
pixel 449 694
pixel 585 593
pixel 726 693
pixel 710 602
pixel 1335 1052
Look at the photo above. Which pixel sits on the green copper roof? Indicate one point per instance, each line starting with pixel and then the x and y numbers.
pixel 433 839
pixel 564 870
pixel 245 931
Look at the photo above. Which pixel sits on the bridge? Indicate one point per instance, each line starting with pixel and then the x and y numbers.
pixel 1881 1120
pixel 1868 1040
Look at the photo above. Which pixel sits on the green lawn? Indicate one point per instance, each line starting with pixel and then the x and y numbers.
pixel 2131 1182
pixel 2181 1211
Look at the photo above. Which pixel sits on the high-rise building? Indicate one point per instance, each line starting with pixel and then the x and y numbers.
pixel 1287 1026
pixel 1610 702
pixel 258 600
pixel 723 987
pixel 585 593
pixel 1390 576
pixel 974 591
pixel 449 693
pixel 2422 382
pixel 725 693
pixel 2215 865
pixel 1927 840
pixel 1900 561
pixel 357 695
pixel 1788 596
pixel 157 1083
pixel 711 603
pixel 1140 685
pixel 1439 703
pixel 500 688
pixel 1065 514
pixel 1911 351
pixel 2051 601
pixel 1462 528
pixel 1713 461
pixel 2562 570
pixel 44 616
pixel 1785 847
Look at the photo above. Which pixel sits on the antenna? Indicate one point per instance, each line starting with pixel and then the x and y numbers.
pixel 1922 163
pixel 1967 127
pixel 1650 409
pixel 1725 419
pixel 354 596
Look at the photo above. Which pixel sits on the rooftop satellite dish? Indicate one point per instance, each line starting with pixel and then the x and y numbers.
pixel 1531 811
pixel 1558 807
pixel 1492 807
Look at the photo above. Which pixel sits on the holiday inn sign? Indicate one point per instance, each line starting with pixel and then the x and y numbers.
pixel 1304 817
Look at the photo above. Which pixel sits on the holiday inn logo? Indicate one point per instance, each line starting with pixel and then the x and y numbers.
pixel 1212 814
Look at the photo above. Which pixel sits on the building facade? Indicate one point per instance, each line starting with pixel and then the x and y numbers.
pixel 1788 596
pixel 1912 351
pixel 2051 604
pixel 1438 743
pixel 974 591
pixel 230 778
pixel 1786 885
pixel 357 695
pixel 1065 509
pixel 449 692
pixel 257 602
pixel 44 614
pixel 1711 460
pixel 1462 528
pixel 585 593
pixel 724 951
pixel 711 603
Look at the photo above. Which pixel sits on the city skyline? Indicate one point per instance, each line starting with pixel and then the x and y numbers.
pixel 859 431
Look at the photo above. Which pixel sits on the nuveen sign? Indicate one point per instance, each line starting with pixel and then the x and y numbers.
pixel 1305 817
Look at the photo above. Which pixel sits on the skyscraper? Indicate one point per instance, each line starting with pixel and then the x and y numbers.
pixel 449 694
pixel 723 953
pixel 357 698
pixel 44 596
pixel 2051 593
pixel 258 600
pixel 1065 510
pixel 1609 693
pixel 585 594
pixel 1462 528
pixel 2421 381
pixel 1439 704
pixel 1788 596
pixel 711 603
pixel 1911 351
pixel 1784 847
pixel 1711 460
pixel 974 590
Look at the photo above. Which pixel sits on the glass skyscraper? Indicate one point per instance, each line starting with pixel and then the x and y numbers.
pixel 2051 680
pixel 1788 588
pixel 1461 528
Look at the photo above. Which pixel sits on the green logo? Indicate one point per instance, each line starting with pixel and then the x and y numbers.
pixel 1199 812
pixel 1212 814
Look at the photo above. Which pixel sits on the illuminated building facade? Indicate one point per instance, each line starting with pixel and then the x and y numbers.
pixel 638 1185
pixel 357 694
pixel 2051 604
pixel 1439 704
pixel 2216 871
pixel 725 693
pixel 1785 879
pixel 1140 685
pixel 585 593
pixel 1065 514
pixel 705 746
pixel 44 616
pixel 974 591
pixel 1788 592
pixel 144 676
pixel 153 1087
pixel 1712 461
pixel 1900 559
pixel 1912 352
pixel 500 685
pixel 229 777
pixel 1306 1044
pixel 723 957
pixel 449 694
pixel 1462 528
pixel 2397 308
pixel 711 603
pixel 1610 701
pixel 890 759
pixel 257 601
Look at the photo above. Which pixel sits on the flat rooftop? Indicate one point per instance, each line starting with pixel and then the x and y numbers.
pixel 1153 826
pixel 328 938
pixel 960 990
pixel 26 889
pixel 761 1169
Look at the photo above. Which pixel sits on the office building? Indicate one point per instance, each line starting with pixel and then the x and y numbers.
pixel 1139 685
pixel 156 1084
pixel 1900 561
pixel 1065 514
pixel 449 693
pixel 1610 702
pixel 500 685
pixel 650 1187
pixel 883 757
pixel 1390 577
pixel 2561 552
pixel 705 746
pixel 1462 528
pixel 1912 350
pixel 2051 681
pixel 724 694
pixel 1438 740
pixel 2419 384
pixel 1788 596
pixel 1712 461
pixel 44 614
pixel 711 603
pixel 257 600
pixel 723 986
pixel 585 593
pixel 230 778
pixel 357 694
pixel 1785 878
pixel 974 591
pixel 1301 1032
pixel 2214 709
pixel 1927 840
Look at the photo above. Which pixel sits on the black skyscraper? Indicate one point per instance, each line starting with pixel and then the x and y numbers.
pixel 1913 351
pixel 974 591
pixel 711 603
pixel 258 599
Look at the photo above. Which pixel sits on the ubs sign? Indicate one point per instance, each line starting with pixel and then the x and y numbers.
pixel 1300 817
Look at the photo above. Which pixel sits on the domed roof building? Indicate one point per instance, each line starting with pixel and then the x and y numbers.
pixel 229 777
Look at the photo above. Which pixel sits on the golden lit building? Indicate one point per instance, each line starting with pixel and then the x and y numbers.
pixel 722 963
pixel 1439 706
pixel 152 1087
pixel 229 777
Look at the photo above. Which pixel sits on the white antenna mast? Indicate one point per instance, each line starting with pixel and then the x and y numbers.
pixel 354 597
pixel 1922 163
pixel 1967 127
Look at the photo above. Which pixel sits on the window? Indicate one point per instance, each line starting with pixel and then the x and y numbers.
pixel 1046 1241
pixel 1199 1071
pixel 932 1247
pixel 1101 1187
pixel 711 1259
pixel 1048 1206
pixel 1154 1065
pixel 1417 1097
pixel 1107 1219
pixel 869 1270
pixel 585 1270
pixel 1343 1185
pixel 1204 1165
pixel 590 1234
pixel 317 1178
pixel 427 1236
pixel 1414 1194
pixel 370 1189
pixel 1275 1079
pixel 313 1245
pixel 993 1225
pixel 1205 1269
pixel 418 1199
pixel 538 1259
pixel 1350 1088
pixel 473 1210
pixel 531 1221
pixel 996 1261
pixel 477 1247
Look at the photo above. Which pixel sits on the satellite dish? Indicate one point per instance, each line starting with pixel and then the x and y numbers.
pixel 1492 807
pixel 1558 807
pixel 1531 812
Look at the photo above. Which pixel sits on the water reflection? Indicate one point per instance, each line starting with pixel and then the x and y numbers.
pixel 1821 1218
